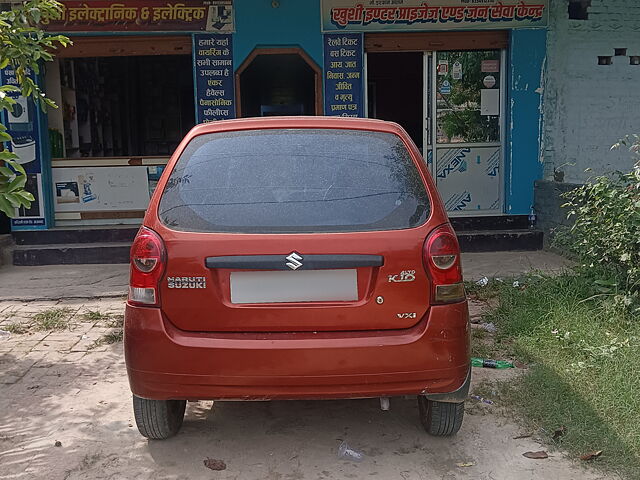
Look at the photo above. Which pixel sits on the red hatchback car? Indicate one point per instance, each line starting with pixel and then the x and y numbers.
pixel 296 258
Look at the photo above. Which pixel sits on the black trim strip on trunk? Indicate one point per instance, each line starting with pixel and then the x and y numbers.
pixel 279 262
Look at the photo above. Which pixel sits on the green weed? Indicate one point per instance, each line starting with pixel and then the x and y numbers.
pixel 95 315
pixel 481 346
pixel 115 322
pixel 109 338
pixel 114 336
pixel 16 328
pixel 53 319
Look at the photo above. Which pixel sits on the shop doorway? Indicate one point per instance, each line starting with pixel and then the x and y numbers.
pixel 395 90
pixel 125 104
pixel 279 82
pixel 468 130
pixel 122 106
pixel 451 103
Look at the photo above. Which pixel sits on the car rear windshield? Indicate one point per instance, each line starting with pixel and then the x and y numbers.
pixel 296 181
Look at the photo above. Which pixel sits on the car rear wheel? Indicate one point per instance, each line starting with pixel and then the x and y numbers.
pixel 158 419
pixel 439 418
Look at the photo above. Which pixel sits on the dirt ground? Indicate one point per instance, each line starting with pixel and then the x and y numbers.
pixel 64 387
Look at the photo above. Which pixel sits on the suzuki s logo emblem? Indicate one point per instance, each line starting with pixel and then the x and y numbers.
pixel 294 262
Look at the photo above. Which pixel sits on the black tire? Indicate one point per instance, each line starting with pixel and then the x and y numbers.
pixel 158 419
pixel 439 418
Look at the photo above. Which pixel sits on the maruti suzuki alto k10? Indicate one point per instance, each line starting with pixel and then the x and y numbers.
pixel 296 258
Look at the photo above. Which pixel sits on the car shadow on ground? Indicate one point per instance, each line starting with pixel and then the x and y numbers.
pixel 271 438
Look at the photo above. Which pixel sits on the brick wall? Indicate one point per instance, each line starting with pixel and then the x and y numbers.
pixel 548 206
pixel 588 107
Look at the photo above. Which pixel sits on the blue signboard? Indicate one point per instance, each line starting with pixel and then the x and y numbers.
pixel 23 124
pixel 213 75
pixel 343 75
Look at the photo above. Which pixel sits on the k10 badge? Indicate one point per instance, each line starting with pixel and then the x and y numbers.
pixel 403 276
pixel 186 282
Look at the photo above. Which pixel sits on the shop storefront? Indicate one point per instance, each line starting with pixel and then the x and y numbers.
pixel 463 77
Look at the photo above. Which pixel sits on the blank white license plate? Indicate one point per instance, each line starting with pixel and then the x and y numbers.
pixel 302 286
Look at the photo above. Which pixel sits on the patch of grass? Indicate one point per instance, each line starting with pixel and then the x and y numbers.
pixel 95 315
pixel 112 337
pixel 109 338
pixel 585 366
pixel 482 292
pixel 16 328
pixel 495 286
pixel 481 346
pixel 53 319
pixel 116 322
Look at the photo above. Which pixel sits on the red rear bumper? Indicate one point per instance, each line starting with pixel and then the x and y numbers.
pixel 166 363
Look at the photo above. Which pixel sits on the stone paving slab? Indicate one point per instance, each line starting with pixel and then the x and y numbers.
pixel 44 349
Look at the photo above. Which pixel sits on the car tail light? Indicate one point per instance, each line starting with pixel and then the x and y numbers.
pixel 148 258
pixel 441 255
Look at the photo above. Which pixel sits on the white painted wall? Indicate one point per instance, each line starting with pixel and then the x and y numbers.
pixel 588 107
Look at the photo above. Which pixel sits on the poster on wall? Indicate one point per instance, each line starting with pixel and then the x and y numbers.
pixel 214 80
pixel 407 15
pixel 85 189
pixel 343 75
pixel 34 216
pixel 468 179
pixel 144 16
pixel 24 127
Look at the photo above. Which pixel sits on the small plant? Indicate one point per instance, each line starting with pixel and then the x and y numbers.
pixel 115 322
pixel 108 338
pixel 484 289
pixel 114 336
pixel 481 344
pixel 95 315
pixel 53 319
pixel 16 328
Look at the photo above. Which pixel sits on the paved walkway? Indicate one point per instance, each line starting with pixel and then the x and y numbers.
pixel 55 282
pixel 44 333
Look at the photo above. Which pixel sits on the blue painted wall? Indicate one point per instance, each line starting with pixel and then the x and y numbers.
pixel 527 56
pixel 293 23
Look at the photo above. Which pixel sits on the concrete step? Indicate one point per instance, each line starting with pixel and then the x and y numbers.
pixel 500 240
pixel 498 222
pixel 71 253
pixel 116 233
pixel 6 249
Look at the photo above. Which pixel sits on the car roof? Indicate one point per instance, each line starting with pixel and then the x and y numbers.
pixel 257 123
